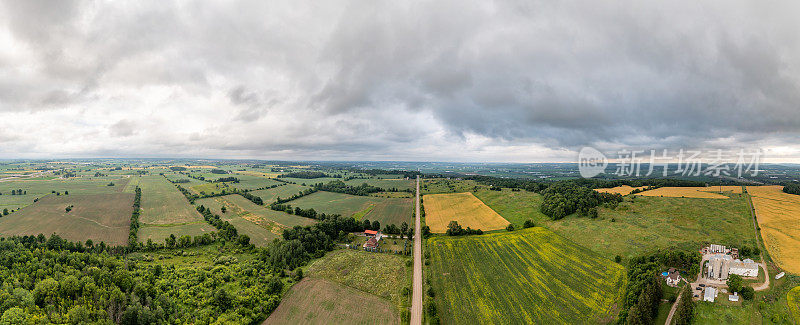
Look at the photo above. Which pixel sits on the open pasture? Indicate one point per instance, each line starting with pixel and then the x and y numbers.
pixel 778 215
pixel 527 276
pixel 711 192
pixel 163 204
pixel 384 210
pixel 464 208
pixel 622 190
pixel 100 217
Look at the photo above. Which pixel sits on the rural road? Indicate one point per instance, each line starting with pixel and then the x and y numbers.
pixel 416 299
pixel 674 307
pixel 759 243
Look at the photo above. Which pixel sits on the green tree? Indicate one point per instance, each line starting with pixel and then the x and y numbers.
pixel 13 316
pixel 747 293
pixel 734 283
pixel 684 313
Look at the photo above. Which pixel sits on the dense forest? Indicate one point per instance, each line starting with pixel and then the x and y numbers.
pixel 564 198
pixel 54 281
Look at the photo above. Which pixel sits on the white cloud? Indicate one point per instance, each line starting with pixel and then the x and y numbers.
pixel 425 80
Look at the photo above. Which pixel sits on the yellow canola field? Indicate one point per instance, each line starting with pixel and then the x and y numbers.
pixel 778 215
pixel 465 208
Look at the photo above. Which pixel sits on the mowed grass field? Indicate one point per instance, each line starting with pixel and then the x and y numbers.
pixel 465 208
pixel 384 210
pixel 516 207
pixel 100 217
pixel 284 191
pixel 778 215
pixel 347 287
pixel 526 276
pixel 163 204
pixel 711 192
pixel 320 301
pixel 622 190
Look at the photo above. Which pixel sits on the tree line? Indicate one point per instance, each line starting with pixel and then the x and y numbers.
pixel 340 187
pixel 643 291
pixel 133 234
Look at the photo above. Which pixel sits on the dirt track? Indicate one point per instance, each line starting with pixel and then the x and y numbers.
pixel 416 300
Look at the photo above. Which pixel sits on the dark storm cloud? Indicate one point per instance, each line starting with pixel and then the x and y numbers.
pixel 392 79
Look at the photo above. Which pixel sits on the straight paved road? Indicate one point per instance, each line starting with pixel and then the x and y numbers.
pixel 416 300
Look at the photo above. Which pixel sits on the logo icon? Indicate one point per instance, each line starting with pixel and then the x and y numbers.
pixel 591 162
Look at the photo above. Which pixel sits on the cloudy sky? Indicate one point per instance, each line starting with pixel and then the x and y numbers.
pixel 526 81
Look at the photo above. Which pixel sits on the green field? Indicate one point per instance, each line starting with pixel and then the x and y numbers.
pixel 656 222
pixel 793 300
pixel 248 182
pixel 347 287
pixel 163 204
pixel 39 188
pixel 525 276
pixel 285 191
pixel 100 217
pixel 516 207
pixel 443 185
pixel 384 210
pixel 400 184
pixel 309 181
pixel 158 232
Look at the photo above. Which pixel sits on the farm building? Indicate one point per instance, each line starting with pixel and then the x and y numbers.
pixel 371 243
pixel 370 233
pixel 710 294
pixel 718 266
pixel 673 277
pixel 716 249
pixel 744 268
